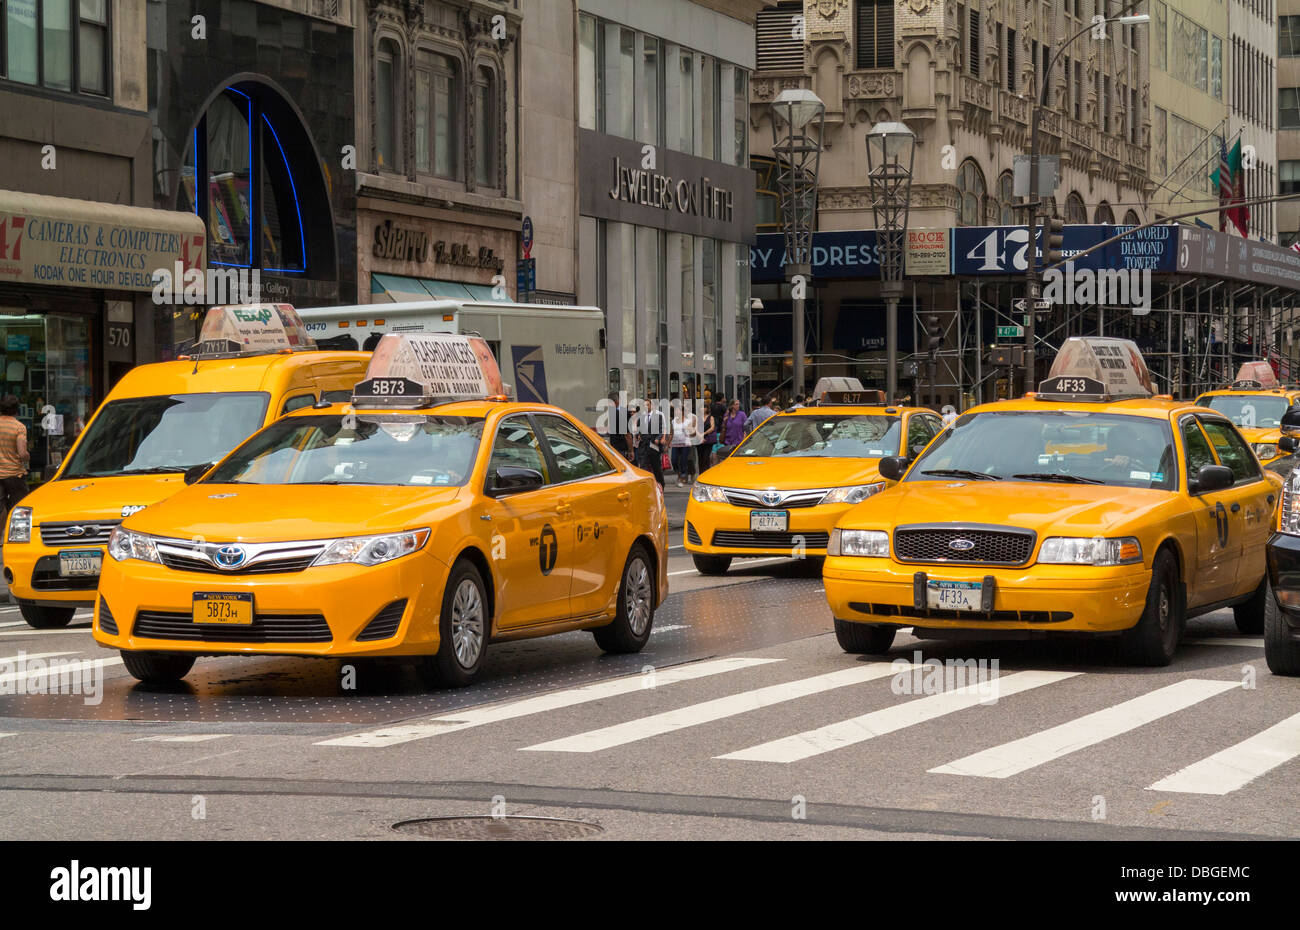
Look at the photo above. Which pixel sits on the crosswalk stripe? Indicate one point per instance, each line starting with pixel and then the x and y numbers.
pixel 1237 765
pixel 70 668
pixel 888 719
pixel 63 632
pixel 718 709
pixel 1047 745
pixel 477 717
pixel 3 735
pixel 186 738
pixel 28 656
pixel 1227 641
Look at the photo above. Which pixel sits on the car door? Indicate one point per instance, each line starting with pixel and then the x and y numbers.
pixel 1213 575
pixel 1249 503
pixel 532 534
pixel 601 499
pixel 921 428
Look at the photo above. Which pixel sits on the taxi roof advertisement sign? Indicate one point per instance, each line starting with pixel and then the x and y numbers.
pixel 1116 363
pixel 252 328
pixel 443 365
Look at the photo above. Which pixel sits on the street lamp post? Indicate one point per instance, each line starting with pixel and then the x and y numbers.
pixel 1033 286
pixel 798 120
pixel 891 150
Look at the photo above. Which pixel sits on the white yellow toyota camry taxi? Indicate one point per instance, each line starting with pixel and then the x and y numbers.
pixel 1089 507
pixel 427 519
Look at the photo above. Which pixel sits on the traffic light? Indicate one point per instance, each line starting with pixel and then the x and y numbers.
pixel 1055 239
pixel 933 333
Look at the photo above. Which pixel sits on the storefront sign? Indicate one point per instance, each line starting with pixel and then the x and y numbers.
pixel 1210 252
pixel 74 243
pixel 400 244
pixel 851 254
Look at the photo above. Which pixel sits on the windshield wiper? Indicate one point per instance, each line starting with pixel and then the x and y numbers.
pixel 157 470
pixel 1053 476
pixel 962 473
pixel 340 481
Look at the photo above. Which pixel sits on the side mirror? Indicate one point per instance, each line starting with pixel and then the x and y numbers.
pixel 1211 478
pixel 510 480
pixel 1291 421
pixel 1288 444
pixel 892 467
pixel 195 472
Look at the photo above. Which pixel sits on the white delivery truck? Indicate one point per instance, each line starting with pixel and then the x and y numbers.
pixel 548 354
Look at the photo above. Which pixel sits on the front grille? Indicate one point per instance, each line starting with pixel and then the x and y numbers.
pixel 738 539
pixel 693 535
pixel 991 546
pixel 303 628
pixel 907 612
pixel 262 558
pixel 106 621
pixel 46 577
pixel 385 624
pixel 273 567
pixel 94 532
pixel 790 500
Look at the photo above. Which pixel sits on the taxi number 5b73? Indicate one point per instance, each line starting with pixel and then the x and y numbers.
pixel 226 608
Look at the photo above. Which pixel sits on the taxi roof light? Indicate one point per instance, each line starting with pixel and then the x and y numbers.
pixel 251 329
pixel 421 369
pixel 1096 369
pixel 1255 376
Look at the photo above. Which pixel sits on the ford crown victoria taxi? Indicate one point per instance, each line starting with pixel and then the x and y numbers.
pixel 788 482
pixel 1255 403
pixel 1090 507
pixel 418 522
pixel 253 364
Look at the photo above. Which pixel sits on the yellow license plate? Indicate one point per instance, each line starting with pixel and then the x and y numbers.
pixel 230 609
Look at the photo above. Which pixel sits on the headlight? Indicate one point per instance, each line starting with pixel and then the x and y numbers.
pixel 1096 550
pixel 372 550
pixel 853 495
pixel 1289 519
pixel 859 542
pixel 124 544
pixel 1264 450
pixel 707 493
pixel 20 524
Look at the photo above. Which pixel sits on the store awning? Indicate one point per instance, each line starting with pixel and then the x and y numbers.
pixel 402 289
pixel 62 242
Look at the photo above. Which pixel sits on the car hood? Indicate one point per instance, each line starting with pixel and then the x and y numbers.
pixel 1255 434
pixel 278 512
pixel 1048 509
pixel 99 498
pixel 788 473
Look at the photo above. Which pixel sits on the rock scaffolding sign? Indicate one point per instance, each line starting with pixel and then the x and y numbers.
pixel 444 366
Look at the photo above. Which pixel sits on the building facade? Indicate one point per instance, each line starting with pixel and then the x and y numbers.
pixel 1251 90
pixel 1288 119
pixel 665 193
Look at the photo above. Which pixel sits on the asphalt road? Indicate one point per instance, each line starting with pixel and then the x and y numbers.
pixel 741 720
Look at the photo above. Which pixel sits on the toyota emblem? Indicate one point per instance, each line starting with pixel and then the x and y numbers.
pixel 230 556
pixel 771 498
pixel 961 545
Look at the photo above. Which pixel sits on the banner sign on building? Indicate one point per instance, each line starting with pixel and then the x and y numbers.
pixel 851 254
pixel 1210 252
pixel 1003 249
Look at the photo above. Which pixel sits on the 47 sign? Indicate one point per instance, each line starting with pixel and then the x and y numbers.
pixel 11 237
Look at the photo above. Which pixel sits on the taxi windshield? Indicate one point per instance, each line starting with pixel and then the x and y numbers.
pixel 1053 446
pixel 387 449
pixel 162 435
pixel 1249 410
pixel 845 436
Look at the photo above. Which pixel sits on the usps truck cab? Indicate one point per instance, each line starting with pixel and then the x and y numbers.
pixel 252 365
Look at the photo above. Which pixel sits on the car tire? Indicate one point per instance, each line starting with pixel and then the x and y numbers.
pixel 464 625
pixel 1250 614
pixel 1153 640
pixel 157 668
pixel 1281 648
pixel 631 628
pixel 711 564
pixel 864 638
pixel 40 617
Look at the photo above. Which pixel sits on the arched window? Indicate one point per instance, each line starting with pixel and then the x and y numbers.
pixel 486 128
pixel 439 123
pixel 1104 214
pixel 388 71
pixel 1075 211
pixel 1132 219
pixel 1006 199
pixel 970 193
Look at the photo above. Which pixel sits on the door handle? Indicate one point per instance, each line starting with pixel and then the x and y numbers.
pixel 562 508
pixel 625 496
pixel 1236 507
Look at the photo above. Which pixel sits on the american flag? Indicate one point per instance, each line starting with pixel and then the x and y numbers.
pixel 1226 192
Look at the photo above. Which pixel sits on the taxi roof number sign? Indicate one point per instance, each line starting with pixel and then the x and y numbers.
pixel 419 369
pixel 1096 368
pixel 870 398
pixel 252 329
pixel 1255 376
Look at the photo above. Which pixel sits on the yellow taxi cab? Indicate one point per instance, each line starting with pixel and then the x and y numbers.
pixel 1255 403
pixel 788 481
pixel 1088 507
pixel 253 363
pixel 427 519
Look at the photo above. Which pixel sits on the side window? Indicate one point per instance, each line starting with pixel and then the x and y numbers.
pixel 516 446
pixel 575 457
pixel 1232 450
pixel 920 430
pixel 1196 449
pixel 337 397
pixel 297 403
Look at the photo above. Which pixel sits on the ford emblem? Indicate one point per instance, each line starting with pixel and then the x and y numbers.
pixel 961 545
pixel 230 556
pixel 78 531
pixel 771 498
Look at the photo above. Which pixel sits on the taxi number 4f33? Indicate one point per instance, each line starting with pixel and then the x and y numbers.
pixel 769 521
pixel 955 595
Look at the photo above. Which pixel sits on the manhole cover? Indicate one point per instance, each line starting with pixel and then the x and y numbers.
pixel 498 828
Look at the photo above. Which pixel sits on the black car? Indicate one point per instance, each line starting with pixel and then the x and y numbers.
pixel 1282 609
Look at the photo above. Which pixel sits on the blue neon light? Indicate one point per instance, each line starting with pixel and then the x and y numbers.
pixel 302 238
